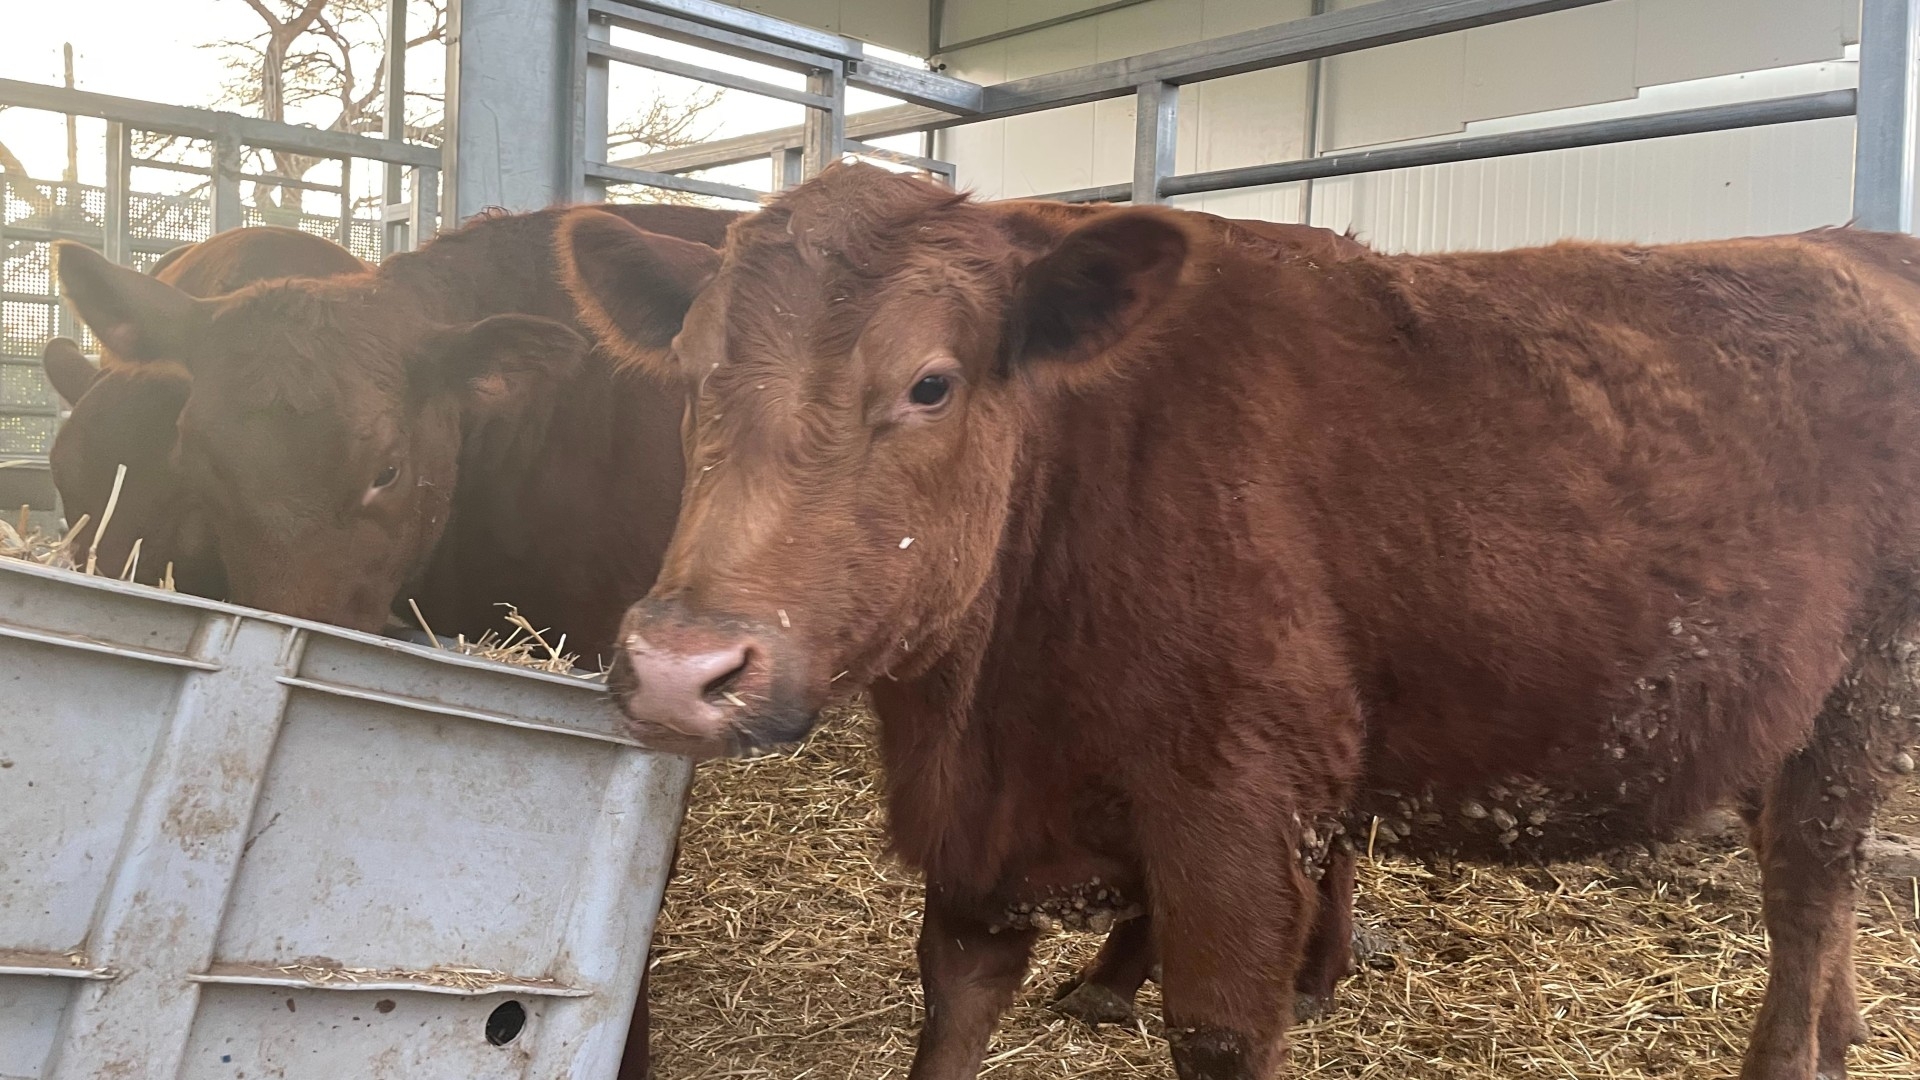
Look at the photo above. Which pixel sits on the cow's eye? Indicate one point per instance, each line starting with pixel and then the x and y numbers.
pixel 387 476
pixel 931 391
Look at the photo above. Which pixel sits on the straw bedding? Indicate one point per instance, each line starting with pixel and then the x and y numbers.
pixel 786 951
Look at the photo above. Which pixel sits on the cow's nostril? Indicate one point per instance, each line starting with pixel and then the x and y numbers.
pixel 722 685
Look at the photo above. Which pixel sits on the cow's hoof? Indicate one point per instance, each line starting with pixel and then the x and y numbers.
pixel 1093 1005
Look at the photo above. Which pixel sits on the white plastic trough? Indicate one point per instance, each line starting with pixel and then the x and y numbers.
pixel 240 846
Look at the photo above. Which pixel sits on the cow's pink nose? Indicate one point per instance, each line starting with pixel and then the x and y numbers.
pixel 685 691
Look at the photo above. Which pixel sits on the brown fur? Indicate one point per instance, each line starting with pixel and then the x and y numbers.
pixel 452 362
pixel 522 462
pixel 1521 555
pixel 125 413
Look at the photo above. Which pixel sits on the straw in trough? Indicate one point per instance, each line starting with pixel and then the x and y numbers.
pixel 786 951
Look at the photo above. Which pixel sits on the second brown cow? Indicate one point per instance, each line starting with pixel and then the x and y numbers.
pixel 1172 552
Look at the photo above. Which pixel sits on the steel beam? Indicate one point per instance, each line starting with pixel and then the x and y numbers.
pixel 632 17
pixel 614 174
pixel 878 123
pixel 1884 140
pixel 511 128
pixel 1315 36
pixel 826 129
pixel 1028 28
pixel 788 168
pixel 208 124
pixel 1156 133
pixel 916 86
pixel 1821 106
pixel 225 197
pixel 728 79
pixel 755 25
pixel 393 126
pixel 916 161
pixel 119 192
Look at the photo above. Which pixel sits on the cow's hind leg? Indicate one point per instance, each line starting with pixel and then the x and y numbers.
pixel 1810 827
pixel 1103 992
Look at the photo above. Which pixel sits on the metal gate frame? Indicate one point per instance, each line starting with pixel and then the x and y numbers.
pixel 1885 150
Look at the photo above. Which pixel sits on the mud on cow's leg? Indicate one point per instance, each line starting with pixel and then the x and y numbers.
pixel 1329 956
pixel 1808 836
pixel 1103 992
pixel 970 976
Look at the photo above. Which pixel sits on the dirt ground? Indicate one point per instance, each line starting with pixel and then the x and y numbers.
pixel 787 952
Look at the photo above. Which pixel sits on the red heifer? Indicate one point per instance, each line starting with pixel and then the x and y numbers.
pixel 1169 549
pixel 124 414
pixel 432 429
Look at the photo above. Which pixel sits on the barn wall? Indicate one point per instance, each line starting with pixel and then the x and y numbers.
pixel 1616 58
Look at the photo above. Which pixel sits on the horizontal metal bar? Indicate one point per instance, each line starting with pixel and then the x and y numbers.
pixel 27 297
pixel 29 410
pixel 209 124
pixel 424 705
pixel 877 123
pixel 625 15
pixel 94 645
pixel 145 245
pixel 1822 106
pixel 617 174
pixel 171 166
pixel 854 146
pixel 755 25
pixel 1028 28
pixel 1107 193
pixel 916 86
pixel 1367 26
pixel 282 181
pixel 1313 37
pixel 653 62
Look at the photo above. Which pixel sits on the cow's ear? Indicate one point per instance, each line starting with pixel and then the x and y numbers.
pixel 505 359
pixel 134 316
pixel 1079 301
pixel 632 287
pixel 68 369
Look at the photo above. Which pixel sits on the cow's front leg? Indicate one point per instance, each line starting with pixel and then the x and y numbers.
pixel 1232 910
pixel 970 976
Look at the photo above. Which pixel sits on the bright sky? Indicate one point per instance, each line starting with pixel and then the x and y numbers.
pixel 149 49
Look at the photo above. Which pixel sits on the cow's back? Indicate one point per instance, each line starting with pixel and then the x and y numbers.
pixel 1628 492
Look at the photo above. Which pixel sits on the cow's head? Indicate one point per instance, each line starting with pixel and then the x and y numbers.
pixel 323 431
pixel 125 416
pixel 870 363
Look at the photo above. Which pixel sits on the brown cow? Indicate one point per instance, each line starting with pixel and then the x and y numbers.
pixel 431 430
pixel 125 413
pixel 1170 551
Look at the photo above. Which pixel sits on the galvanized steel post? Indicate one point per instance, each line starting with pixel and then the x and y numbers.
pixel 509 94
pixel 396 233
pixel 826 129
pixel 1156 133
pixel 119 179
pixel 227 211
pixel 1884 140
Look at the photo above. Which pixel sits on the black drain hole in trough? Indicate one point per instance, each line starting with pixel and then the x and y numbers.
pixel 505 1023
